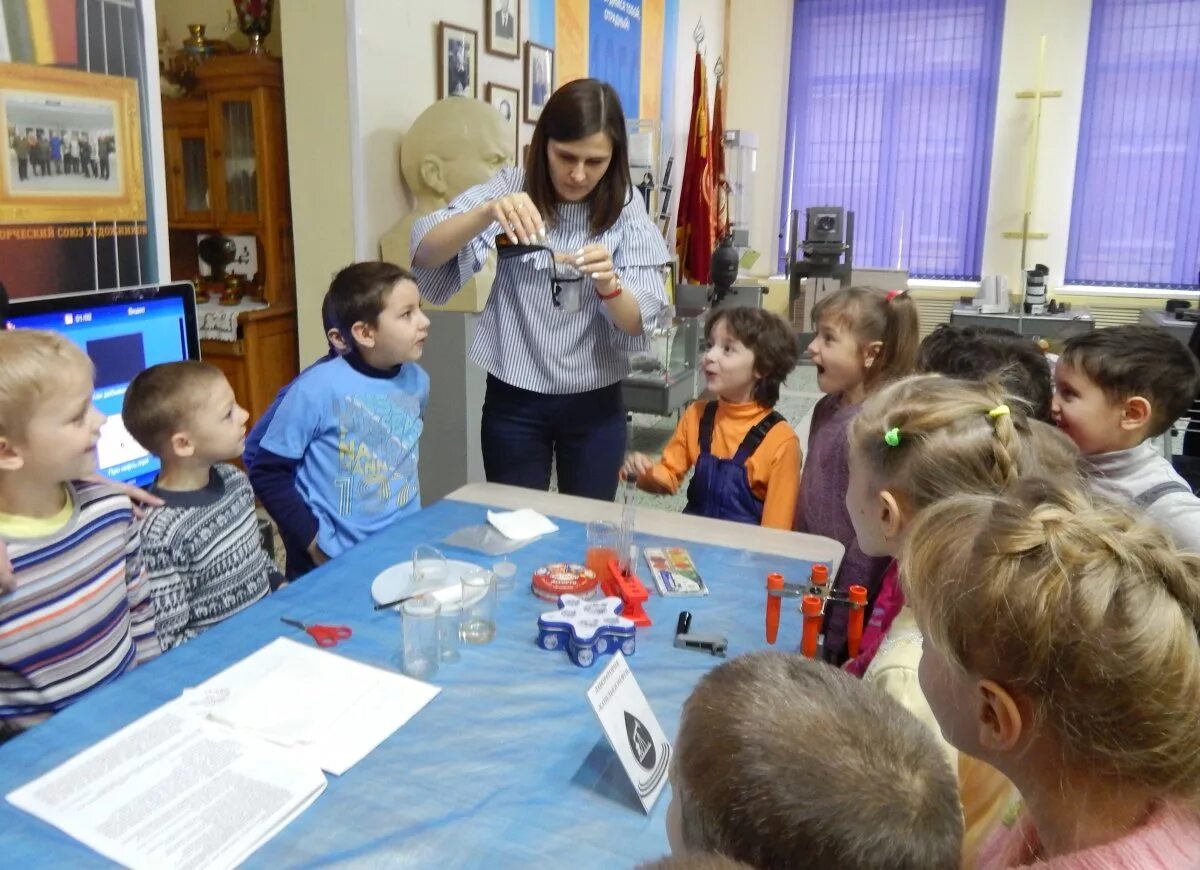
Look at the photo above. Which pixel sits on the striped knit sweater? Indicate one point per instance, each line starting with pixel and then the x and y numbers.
pixel 204 556
pixel 81 613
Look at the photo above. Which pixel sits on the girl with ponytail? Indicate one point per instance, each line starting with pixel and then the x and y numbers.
pixel 1061 647
pixel 865 338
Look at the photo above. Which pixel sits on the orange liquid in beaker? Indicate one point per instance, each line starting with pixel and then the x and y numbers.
pixel 597 562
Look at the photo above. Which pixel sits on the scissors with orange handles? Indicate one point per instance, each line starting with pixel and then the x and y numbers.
pixel 324 635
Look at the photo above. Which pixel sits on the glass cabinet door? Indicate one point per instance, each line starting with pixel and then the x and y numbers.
pixel 195 202
pixel 237 158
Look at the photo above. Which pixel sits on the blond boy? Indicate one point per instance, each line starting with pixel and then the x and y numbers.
pixel 79 614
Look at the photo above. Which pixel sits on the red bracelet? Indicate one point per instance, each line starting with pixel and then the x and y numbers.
pixel 612 295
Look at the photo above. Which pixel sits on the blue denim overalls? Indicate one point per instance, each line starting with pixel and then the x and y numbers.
pixel 719 487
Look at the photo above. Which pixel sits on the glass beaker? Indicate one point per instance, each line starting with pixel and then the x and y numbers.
pixel 420 620
pixel 478 621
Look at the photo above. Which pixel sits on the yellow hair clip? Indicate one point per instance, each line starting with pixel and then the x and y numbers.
pixel 998 411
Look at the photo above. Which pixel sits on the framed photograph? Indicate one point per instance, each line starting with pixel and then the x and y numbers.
pixel 508 103
pixel 71 149
pixel 539 79
pixel 458 61
pixel 503 19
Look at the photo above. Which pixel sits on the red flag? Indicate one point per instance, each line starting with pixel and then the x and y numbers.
pixel 694 228
pixel 720 185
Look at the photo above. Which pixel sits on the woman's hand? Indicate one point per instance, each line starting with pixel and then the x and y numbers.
pixel 519 218
pixel 316 553
pixel 596 261
pixel 636 465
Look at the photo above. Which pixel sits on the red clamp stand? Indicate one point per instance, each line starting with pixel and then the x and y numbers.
pixel 816 597
pixel 626 586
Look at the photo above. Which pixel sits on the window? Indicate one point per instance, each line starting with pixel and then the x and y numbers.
pixel 1135 216
pixel 891 109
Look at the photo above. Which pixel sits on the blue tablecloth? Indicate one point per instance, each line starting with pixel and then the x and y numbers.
pixel 507 765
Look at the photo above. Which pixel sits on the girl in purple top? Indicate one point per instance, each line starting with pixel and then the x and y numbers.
pixel 865 338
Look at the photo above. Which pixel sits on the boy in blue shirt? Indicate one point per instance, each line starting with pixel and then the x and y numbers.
pixel 339 460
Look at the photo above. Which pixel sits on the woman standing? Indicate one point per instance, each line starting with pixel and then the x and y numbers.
pixel 579 284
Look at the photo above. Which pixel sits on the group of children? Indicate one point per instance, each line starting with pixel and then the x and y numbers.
pixel 1032 562
pixel 90 590
pixel 1031 641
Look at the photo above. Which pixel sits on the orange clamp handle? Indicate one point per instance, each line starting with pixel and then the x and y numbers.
pixel 774 603
pixel 858 610
pixel 819 576
pixel 810 606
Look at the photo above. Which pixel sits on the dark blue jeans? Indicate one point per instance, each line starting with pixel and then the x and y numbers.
pixel 582 433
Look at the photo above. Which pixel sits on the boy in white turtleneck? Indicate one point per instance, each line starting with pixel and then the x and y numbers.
pixel 1115 389
pixel 747 458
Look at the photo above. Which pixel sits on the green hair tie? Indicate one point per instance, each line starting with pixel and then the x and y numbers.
pixel 892 437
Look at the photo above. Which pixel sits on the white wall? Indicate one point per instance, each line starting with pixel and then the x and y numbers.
pixel 760 40
pixel 1065 24
pixel 316 90
pixel 396 68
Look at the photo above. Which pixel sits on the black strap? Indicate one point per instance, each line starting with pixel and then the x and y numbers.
pixel 1154 493
pixel 707 420
pixel 756 435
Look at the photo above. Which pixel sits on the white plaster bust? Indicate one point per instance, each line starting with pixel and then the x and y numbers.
pixel 453 145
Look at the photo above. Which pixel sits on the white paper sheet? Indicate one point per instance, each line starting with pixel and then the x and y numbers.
pixel 328 707
pixel 173 790
pixel 521 525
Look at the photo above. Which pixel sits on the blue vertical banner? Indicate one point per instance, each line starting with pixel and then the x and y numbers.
pixel 615 48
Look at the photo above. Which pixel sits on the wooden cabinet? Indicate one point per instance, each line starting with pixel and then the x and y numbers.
pixel 226 157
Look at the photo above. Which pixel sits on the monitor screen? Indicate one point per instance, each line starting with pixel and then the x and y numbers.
pixel 123 331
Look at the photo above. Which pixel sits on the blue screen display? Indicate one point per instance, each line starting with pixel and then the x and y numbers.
pixel 122 339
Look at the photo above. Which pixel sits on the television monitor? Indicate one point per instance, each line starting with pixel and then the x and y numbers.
pixel 123 331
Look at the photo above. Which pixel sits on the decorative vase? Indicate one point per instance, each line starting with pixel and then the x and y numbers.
pixel 254 20
pixel 194 47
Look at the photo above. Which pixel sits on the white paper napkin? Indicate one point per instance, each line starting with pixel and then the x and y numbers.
pixel 521 525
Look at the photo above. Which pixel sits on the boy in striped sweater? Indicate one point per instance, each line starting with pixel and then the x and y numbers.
pixel 79 614
pixel 202 548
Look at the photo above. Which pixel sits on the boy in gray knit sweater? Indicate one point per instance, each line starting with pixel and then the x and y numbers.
pixel 1114 390
pixel 202 548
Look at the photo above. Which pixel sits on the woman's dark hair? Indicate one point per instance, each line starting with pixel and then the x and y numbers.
pixel 575 111
pixel 769 337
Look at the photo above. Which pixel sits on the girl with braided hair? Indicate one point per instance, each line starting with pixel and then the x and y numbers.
pixel 1061 647
pixel 916 442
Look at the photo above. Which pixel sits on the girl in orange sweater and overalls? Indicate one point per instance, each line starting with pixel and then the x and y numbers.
pixel 746 455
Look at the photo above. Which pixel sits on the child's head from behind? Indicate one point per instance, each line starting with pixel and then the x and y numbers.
pixel 865 337
pixel 1089 665
pixel 981 353
pixel 785 762
pixel 1116 387
pixel 185 411
pixel 751 352
pixel 926 438
pixel 377 309
pixel 48 424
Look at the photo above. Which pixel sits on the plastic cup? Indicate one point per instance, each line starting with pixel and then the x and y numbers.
pixel 421 624
pixel 506 575
pixel 478 619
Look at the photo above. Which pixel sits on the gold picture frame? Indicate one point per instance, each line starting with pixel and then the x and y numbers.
pixel 93 172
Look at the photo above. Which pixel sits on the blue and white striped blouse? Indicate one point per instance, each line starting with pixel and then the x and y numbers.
pixel 523 339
